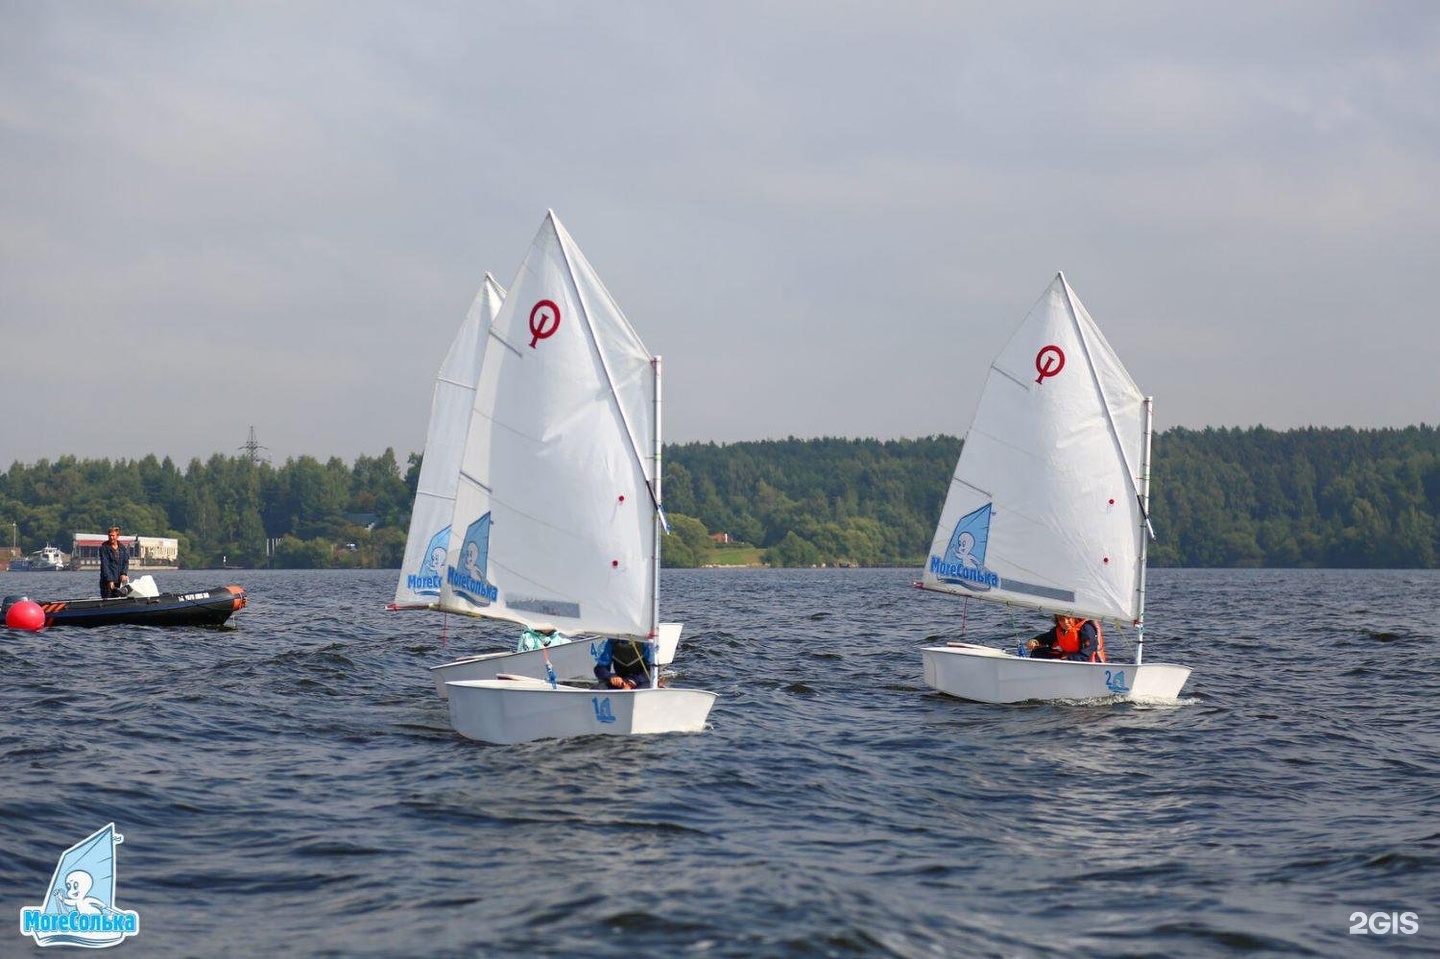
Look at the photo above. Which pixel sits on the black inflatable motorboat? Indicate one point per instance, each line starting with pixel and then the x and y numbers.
pixel 206 607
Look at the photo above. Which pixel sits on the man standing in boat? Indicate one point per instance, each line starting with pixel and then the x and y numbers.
pixel 114 565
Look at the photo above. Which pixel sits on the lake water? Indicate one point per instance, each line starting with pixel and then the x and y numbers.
pixel 291 787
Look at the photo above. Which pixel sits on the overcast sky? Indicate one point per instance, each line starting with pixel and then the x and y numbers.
pixel 827 216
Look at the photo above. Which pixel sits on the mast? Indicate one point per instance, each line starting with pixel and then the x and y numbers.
pixel 654 637
pixel 1146 531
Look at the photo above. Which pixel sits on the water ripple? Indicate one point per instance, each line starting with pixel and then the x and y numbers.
pixel 296 778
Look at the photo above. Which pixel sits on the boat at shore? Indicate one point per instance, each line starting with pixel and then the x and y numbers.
pixel 144 606
pixel 47 559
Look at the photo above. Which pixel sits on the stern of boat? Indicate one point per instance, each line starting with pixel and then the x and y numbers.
pixel 1159 682
pixel 667 641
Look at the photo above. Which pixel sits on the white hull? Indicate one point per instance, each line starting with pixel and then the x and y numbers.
pixel 572 660
pixel 993 676
pixel 518 711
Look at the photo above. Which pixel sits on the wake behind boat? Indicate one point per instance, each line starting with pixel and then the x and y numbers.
pixel 144 606
pixel 557 519
pixel 1049 510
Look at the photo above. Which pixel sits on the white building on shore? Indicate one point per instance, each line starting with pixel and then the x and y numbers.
pixel 146 552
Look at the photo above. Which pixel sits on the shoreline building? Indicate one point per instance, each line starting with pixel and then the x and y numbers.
pixel 146 552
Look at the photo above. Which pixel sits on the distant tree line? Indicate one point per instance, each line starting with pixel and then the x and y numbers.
pixel 1342 498
pixel 1338 498
pixel 1219 497
pixel 858 502
pixel 228 510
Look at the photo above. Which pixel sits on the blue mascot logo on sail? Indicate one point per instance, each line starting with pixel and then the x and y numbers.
pixel 964 561
pixel 469 580
pixel 79 907
pixel 428 579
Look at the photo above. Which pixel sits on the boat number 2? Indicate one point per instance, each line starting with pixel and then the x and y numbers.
pixel 1115 681
pixel 602 709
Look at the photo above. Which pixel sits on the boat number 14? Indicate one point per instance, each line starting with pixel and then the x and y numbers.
pixel 603 713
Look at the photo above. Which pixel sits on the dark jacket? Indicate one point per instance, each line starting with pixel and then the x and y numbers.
pixel 629 659
pixel 114 563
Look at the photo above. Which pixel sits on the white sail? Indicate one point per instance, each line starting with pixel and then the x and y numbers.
pixel 1045 509
pixel 554 523
pixel 423 569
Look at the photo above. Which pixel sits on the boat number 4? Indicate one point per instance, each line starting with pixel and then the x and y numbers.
pixel 191 597
pixel 602 709
pixel 1115 681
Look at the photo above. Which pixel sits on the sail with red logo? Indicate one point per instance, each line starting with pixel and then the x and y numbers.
pixel 557 518
pixel 1047 512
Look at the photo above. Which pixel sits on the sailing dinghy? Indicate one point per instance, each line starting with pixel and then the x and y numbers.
pixel 1048 510
pixel 423 567
pixel 557 522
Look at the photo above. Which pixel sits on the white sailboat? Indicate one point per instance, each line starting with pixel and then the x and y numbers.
pixel 1048 510
pixel 557 509
pixel 423 568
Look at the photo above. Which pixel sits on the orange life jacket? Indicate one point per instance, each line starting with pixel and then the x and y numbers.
pixel 1068 640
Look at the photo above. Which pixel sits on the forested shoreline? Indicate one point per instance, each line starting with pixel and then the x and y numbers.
pixel 1315 497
